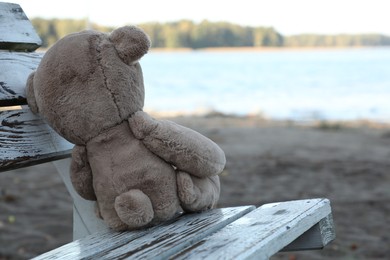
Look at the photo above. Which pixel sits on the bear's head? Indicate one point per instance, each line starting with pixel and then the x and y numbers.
pixel 89 81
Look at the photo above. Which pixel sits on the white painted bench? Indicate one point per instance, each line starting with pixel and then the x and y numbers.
pixel 228 233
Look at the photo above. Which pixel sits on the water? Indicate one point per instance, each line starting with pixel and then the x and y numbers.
pixel 343 84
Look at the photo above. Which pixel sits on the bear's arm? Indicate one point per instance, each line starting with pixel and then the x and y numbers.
pixel 184 148
pixel 81 173
pixel 30 95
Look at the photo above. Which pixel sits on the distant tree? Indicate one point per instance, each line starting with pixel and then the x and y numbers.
pixel 186 33
pixel 267 36
pixel 52 30
pixel 155 32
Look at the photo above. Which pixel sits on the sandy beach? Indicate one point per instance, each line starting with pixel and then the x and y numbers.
pixel 267 161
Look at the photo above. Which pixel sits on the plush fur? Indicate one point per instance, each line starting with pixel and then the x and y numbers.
pixel 141 171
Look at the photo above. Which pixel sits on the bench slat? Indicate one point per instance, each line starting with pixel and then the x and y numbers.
pixel 16 31
pixel 316 237
pixel 27 140
pixel 263 232
pixel 15 68
pixel 158 242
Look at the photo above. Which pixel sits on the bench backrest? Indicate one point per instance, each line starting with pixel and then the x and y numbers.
pixel 24 137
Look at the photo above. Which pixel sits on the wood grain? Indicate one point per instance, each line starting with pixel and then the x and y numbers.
pixel 16 31
pixel 27 140
pixel 158 242
pixel 261 233
pixel 15 68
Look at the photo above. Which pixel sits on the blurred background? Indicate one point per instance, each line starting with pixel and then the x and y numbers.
pixel 296 92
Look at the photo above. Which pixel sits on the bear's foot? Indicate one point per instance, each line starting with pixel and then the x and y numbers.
pixel 197 194
pixel 134 208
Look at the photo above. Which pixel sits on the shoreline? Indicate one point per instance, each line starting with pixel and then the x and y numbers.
pixel 252 49
pixel 265 49
pixel 260 119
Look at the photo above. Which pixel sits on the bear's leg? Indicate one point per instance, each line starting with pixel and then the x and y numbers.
pixel 134 208
pixel 197 194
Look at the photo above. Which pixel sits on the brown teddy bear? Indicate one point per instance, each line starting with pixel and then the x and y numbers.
pixel 141 171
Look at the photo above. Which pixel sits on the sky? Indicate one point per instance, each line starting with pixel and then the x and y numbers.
pixel 286 16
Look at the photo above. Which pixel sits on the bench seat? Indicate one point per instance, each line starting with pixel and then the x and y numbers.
pixel 229 233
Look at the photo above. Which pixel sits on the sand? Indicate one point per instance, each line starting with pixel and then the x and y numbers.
pixel 267 161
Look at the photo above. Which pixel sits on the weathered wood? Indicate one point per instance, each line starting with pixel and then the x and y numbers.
pixel 261 233
pixel 27 140
pixel 316 237
pixel 15 68
pixel 158 242
pixel 16 31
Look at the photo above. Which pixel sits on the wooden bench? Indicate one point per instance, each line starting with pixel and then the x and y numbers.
pixel 228 233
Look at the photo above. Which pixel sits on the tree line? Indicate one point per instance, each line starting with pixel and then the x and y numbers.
pixel 188 34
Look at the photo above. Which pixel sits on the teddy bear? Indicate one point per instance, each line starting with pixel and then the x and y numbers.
pixel 140 171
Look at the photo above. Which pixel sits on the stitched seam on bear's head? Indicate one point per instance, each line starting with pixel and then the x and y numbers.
pixel 99 59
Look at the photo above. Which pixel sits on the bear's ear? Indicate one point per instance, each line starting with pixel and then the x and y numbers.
pixel 130 42
pixel 30 95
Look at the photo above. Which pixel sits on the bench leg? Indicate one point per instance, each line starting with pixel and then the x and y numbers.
pixel 85 221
